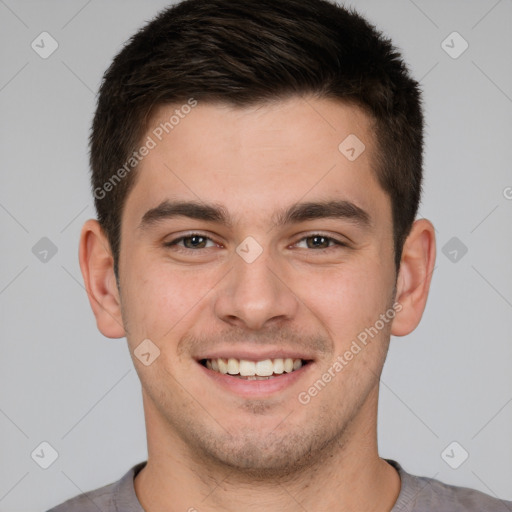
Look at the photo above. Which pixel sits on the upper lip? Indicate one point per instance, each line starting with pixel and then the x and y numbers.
pixel 255 355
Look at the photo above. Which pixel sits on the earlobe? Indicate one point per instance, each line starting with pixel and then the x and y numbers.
pixel 414 277
pixel 97 267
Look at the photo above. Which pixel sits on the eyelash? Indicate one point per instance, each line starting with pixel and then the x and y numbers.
pixel 181 238
pixel 176 241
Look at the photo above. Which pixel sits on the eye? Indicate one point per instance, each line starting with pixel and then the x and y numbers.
pixel 318 241
pixel 192 241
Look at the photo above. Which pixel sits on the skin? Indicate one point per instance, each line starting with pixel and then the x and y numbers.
pixel 212 448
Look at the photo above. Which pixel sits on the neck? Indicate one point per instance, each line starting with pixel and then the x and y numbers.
pixel 347 475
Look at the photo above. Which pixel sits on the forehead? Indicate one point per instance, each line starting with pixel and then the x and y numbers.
pixel 262 157
pixel 220 130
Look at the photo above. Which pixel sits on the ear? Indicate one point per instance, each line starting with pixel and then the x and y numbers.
pixel 97 265
pixel 413 283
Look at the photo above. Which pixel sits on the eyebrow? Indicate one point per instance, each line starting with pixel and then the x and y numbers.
pixel 338 209
pixel 191 209
pixel 299 212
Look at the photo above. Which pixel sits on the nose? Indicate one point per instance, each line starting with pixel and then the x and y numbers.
pixel 255 295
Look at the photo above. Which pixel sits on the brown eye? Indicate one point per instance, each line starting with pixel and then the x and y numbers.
pixel 320 242
pixel 317 242
pixel 195 242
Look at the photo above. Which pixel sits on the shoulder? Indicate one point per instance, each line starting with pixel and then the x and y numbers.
pixel 107 498
pixel 422 494
pixel 101 498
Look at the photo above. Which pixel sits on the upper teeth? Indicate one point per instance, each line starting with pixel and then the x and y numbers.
pixel 246 368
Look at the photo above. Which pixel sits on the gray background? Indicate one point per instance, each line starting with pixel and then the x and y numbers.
pixel 62 382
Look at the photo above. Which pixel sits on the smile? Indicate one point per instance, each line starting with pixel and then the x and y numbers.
pixel 253 370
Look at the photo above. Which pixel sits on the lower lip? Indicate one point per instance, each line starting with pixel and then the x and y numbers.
pixel 256 388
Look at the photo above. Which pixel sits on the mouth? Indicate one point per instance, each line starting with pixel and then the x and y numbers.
pixel 245 369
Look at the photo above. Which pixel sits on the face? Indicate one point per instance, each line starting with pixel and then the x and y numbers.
pixel 250 238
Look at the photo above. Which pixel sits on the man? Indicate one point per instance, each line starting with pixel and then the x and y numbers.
pixel 257 171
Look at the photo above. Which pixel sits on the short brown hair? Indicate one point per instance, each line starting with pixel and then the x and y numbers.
pixel 243 53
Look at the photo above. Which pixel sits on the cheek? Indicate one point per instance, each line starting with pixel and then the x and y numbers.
pixel 346 300
pixel 160 301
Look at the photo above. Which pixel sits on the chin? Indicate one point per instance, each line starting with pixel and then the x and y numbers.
pixel 256 454
pixel 258 459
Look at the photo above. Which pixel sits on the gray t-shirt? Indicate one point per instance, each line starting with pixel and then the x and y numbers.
pixel 417 494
